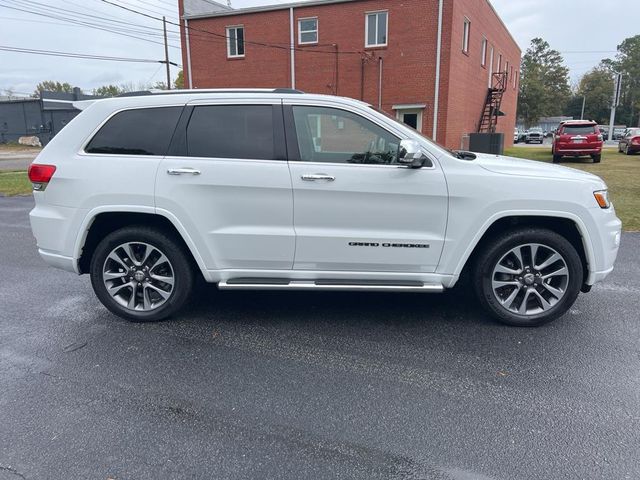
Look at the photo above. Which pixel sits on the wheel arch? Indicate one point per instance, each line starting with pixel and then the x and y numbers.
pixel 567 225
pixel 101 222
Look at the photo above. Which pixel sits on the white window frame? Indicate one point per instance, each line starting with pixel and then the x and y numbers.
pixel 466 35
pixel 499 63
pixel 485 48
pixel 244 46
pixel 316 31
pixel 366 28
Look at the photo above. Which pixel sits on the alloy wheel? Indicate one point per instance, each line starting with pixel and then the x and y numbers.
pixel 138 276
pixel 530 279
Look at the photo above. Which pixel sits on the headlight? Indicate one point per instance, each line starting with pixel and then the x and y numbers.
pixel 602 197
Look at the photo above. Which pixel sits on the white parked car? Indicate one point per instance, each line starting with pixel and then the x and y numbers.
pixel 275 189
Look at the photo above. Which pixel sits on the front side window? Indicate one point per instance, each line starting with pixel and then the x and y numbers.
pixel 235 42
pixel 232 131
pixel 465 35
pixel 308 30
pixel 144 131
pixel 376 29
pixel 337 136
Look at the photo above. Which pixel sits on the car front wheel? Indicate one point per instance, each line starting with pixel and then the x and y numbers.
pixel 528 277
pixel 141 274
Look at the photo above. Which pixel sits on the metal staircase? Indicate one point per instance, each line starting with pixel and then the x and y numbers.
pixel 491 110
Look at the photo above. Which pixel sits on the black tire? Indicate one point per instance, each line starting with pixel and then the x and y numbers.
pixel 596 158
pixel 179 262
pixel 626 150
pixel 494 251
pixel 557 158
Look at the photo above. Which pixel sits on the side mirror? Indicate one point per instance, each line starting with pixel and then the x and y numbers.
pixel 411 154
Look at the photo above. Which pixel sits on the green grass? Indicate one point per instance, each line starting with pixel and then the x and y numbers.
pixel 620 172
pixel 14 183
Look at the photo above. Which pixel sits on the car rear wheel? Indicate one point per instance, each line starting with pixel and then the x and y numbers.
pixel 596 158
pixel 528 277
pixel 626 150
pixel 557 158
pixel 141 274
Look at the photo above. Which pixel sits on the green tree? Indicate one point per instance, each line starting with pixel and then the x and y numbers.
pixel 179 81
pixel 628 63
pixel 52 86
pixel 596 87
pixel 108 91
pixel 544 84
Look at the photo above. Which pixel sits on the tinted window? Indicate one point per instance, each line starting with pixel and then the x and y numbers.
pixel 232 131
pixel 579 129
pixel 337 136
pixel 145 131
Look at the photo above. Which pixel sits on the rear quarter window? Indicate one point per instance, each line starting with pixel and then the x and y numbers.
pixel 579 129
pixel 144 131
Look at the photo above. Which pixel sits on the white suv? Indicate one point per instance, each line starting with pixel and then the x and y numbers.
pixel 276 189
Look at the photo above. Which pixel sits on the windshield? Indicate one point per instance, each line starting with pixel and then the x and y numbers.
pixel 579 129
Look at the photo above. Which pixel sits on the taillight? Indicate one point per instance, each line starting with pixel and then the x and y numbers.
pixel 635 140
pixel 40 175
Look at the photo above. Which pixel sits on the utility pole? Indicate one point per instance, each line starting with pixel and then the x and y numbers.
pixel 166 52
pixel 584 100
pixel 614 104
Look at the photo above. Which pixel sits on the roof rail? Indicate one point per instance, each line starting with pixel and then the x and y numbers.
pixel 142 93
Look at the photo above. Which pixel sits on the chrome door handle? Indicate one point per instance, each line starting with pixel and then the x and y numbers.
pixel 317 176
pixel 183 171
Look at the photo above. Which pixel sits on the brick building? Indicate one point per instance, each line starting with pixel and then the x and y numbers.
pixel 385 52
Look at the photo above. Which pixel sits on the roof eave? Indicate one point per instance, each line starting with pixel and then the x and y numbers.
pixel 263 8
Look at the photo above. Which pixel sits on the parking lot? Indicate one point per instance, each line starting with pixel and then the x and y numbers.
pixel 311 385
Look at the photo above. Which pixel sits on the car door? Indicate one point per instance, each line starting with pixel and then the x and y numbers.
pixel 227 182
pixel 356 208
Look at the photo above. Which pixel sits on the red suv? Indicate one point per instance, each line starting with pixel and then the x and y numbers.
pixel 577 138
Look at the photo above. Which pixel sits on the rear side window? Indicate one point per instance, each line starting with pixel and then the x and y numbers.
pixel 144 131
pixel 232 131
pixel 579 129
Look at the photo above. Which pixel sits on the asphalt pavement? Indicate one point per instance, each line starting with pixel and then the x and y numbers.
pixel 18 159
pixel 311 385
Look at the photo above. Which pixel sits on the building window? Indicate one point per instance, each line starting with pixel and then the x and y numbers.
pixel 307 30
pixel 235 41
pixel 465 35
pixel 499 63
pixel 506 70
pixel 484 52
pixel 376 29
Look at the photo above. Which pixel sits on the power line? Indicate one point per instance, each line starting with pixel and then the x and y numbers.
pixel 55 53
pixel 110 29
pixel 246 42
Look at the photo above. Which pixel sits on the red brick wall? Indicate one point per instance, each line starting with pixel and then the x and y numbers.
pixel 467 80
pixel 408 60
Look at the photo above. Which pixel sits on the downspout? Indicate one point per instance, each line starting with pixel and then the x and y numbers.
pixel 362 78
pixel 186 35
pixel 436 97
pixel 380 60
pixel 292 48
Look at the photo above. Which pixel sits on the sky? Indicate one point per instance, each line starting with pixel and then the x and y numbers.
pixel 584 31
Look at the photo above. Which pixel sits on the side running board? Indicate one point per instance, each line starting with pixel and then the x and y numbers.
pixel 284 284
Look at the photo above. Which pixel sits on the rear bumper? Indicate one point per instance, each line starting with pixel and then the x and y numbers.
pixel 55 229
pixel 578 153
pixel 59 261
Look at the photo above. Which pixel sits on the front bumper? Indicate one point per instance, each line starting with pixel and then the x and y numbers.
pixel 605 245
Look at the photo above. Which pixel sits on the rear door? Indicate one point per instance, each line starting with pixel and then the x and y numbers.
pixel 227 181
pixel 356 208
